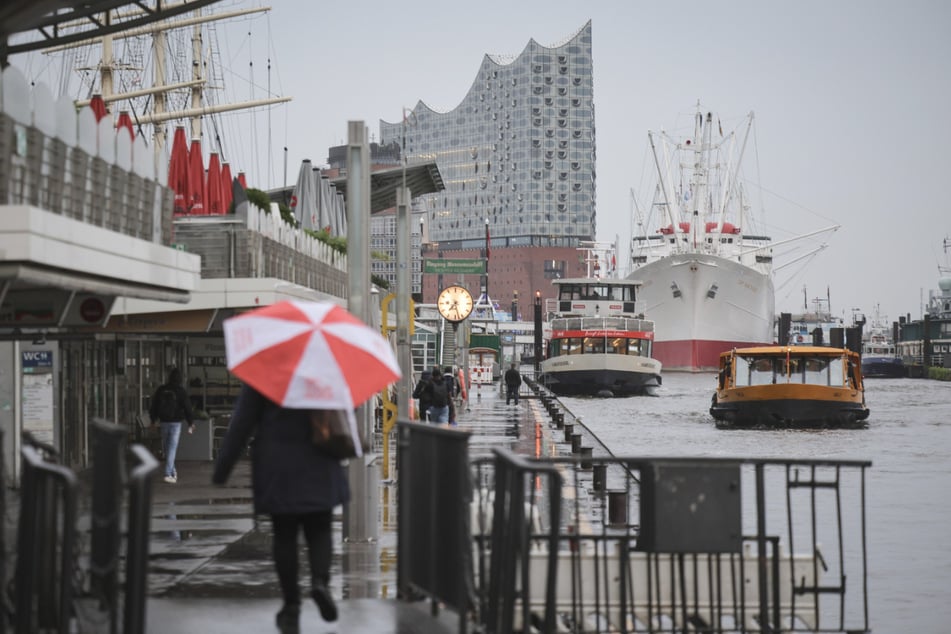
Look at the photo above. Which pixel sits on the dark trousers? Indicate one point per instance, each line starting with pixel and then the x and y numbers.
pixel 511 391
pixel 317 534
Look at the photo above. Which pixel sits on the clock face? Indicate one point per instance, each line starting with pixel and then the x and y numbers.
pixel 454 303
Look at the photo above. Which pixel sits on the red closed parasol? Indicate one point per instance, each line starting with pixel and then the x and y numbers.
pixel 226 196
pixel 196 180
pixel 98 107
pixel 242 180
pixel 125 121
pixel 178 170
pixel 213 195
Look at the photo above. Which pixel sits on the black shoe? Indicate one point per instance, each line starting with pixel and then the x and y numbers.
pixel 288 619
pixel 325 601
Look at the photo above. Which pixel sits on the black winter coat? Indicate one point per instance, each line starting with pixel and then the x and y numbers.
pixel 288 474
pixel 183 412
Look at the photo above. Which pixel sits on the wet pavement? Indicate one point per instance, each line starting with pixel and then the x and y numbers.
pixel 210 565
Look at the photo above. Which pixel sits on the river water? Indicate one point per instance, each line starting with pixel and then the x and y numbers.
pixel 908 441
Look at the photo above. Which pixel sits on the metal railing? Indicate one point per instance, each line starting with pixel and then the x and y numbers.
pixel 46 537
pixel 671 545
pixel 49 581
pixel 434 550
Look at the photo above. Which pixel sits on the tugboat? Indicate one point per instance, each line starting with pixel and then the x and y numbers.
pixel 599 342
pixel 790 387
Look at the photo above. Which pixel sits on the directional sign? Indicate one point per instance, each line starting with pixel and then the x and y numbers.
pixel 449 266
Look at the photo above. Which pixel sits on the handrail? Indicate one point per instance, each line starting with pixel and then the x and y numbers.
pixel 47 527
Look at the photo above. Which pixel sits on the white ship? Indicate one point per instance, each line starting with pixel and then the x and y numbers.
pixel 706 274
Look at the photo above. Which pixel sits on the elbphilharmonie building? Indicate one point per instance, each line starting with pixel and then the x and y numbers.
pixel 517 157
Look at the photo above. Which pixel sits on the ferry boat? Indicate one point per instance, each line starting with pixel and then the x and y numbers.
pixel 790 386
pixel 599 343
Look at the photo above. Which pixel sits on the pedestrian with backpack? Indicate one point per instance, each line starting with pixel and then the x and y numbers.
pixel 169 407
pixel 438 392
pixel 420 392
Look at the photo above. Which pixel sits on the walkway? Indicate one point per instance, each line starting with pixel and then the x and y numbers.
pixel 210 557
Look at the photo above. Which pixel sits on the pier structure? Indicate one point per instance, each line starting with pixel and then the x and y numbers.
pixel 520 515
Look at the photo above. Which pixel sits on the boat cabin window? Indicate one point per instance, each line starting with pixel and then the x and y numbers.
pixel 639 347
pixel 761 371
pixel 742 369
pixel 593 345
pixel 808 370
pixel 573 345
pixel 596 291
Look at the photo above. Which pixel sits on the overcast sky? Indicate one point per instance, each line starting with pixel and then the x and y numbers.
pixel 851 99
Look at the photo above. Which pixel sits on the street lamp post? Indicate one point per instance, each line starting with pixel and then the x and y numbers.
pixel 538 332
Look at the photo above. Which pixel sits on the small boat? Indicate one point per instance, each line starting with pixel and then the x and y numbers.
pixel 599 343
pixel 790 386
pixel 880 357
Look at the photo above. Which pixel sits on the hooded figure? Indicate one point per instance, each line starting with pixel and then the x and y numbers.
pixel 439 396
pixel 421 393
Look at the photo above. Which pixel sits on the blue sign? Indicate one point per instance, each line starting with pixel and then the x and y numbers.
pixel 34 360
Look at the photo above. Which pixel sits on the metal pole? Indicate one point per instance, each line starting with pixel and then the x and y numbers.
pixel 538 332
pixel 358 514
pixel 403 290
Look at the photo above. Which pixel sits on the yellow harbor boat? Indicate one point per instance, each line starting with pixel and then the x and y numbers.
pixel 789 386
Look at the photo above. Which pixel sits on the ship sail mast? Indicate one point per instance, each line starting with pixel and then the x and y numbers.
pixel 160 89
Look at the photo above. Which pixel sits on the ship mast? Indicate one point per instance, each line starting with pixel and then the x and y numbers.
pixel 160 88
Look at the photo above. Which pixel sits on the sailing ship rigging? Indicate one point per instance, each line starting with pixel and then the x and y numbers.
pixel 167 72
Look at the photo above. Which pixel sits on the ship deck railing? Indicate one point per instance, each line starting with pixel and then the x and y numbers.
pixel 601 323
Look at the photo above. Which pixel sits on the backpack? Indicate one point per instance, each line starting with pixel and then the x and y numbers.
pixel 166 404
pixel 440 394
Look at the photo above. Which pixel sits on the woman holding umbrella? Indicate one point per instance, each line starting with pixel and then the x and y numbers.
pixel 296 485
pixel 299 359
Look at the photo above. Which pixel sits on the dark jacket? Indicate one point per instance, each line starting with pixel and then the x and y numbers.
pixel 288 474
pixel 420 392
pixel 512 378
pixel 437 382
pixel 184 410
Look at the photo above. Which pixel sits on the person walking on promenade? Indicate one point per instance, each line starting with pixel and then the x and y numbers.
pixel 513 380
pixel 438 392
pixel 297 485
pixel 169 407
pixel 420 393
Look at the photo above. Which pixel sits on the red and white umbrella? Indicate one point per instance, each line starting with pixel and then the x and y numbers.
pixel 310 355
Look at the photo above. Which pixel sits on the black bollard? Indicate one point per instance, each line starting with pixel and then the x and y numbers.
pixel 569 431
pixel 559 419
pixel 617 508
pixel 586 453
pixel 599 477
pixel 575 443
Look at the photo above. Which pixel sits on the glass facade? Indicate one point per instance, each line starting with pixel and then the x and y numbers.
pixel 383 244
pixel 518 152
